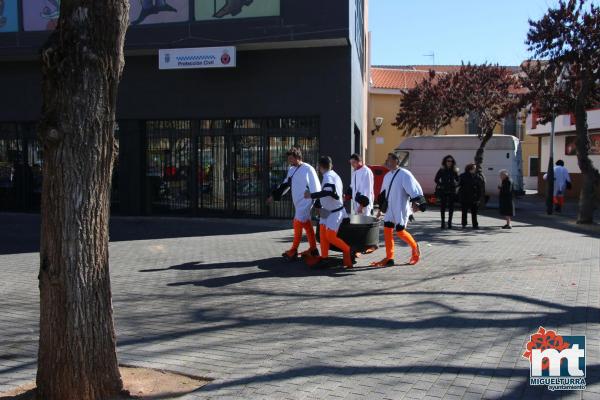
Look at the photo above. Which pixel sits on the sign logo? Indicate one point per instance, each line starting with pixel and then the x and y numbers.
pixel 201 57
pixel 225 58
pixel 555 361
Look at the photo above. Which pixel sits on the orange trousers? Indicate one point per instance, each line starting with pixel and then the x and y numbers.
pixel 388 235
pixel 327 237
pixel 310 234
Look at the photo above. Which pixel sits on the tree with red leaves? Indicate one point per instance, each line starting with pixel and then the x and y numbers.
pixel 567 40
pixel 488 91
pixel 491 92
pixel 425 107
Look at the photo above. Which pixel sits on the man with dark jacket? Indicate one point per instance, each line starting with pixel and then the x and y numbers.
pixel 471 188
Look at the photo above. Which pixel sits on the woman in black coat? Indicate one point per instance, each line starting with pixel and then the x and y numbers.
pixel 446 181
pixel 507 202
pixel 471 188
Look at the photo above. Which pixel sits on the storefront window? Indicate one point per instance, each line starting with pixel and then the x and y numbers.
pixel 169 161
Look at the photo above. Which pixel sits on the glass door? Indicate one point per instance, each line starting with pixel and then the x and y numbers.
pixel 247 189
pixel 169 162
pixel 211 173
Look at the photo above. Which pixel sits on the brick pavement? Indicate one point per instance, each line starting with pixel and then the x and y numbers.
pixel 211 298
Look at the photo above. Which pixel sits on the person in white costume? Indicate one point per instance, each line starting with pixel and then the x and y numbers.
pixel 362 181
pixel 400 194
pixel 562 182
pixel 300 178
pixel 332 213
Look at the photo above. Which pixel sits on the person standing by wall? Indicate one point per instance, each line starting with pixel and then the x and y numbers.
pixel 446 181
pixel 362 182
pixel 470 192
pixel 562 182
pixel 507 202
pixel 400 193
pixel 300 178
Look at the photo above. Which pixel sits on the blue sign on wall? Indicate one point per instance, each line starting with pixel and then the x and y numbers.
pixel 9 20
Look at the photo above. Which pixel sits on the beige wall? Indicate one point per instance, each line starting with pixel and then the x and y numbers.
pixel 389 137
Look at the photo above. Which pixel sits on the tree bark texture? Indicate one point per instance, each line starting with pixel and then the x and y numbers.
pixel 82 64
pixel 485 138
pixel 591 176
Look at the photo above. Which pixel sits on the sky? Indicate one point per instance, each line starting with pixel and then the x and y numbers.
pixel 476 31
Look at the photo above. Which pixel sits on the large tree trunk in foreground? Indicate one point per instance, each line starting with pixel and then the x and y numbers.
pixel 591 177
pixel 81 65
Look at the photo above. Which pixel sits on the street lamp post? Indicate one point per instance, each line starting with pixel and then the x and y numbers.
pixel 550 173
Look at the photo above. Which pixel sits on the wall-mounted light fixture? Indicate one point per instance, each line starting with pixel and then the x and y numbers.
pixel 378 121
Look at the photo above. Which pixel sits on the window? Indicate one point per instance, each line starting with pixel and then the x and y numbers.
pixel 534 166
pixel 473 124
pixel 510 125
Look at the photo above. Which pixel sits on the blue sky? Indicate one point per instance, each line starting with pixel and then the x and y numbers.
pixel 403 31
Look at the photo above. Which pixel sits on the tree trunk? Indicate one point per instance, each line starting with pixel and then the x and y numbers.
pixel 591 177
pixel 82 64
pixel 485 138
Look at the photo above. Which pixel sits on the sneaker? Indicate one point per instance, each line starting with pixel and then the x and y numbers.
pixel 416 256
pixel 386 262
pixel 507 227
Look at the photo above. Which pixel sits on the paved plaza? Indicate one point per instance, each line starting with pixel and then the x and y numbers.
pixel 212 298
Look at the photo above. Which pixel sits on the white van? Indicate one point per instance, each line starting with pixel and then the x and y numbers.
pixel 423 155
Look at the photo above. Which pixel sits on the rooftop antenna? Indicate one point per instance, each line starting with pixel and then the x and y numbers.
pixel 432 55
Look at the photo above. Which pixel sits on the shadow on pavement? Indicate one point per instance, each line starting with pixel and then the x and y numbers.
pixel 272 267
pixel 522 390
pixel 21 232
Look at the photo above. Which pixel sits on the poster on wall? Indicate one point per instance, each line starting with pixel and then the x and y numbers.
pixel 211 10
pixel 8 16
pixel 571 143
pixel 40 15
pixel 158 11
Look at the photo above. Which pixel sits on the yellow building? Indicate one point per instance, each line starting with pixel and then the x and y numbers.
pixel 388 83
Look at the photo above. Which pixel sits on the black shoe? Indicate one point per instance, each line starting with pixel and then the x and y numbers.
pixel 411 218
pixel 449 225
pixel 475 226
pixel 507 227
pixel 288 256
pixel 443 225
